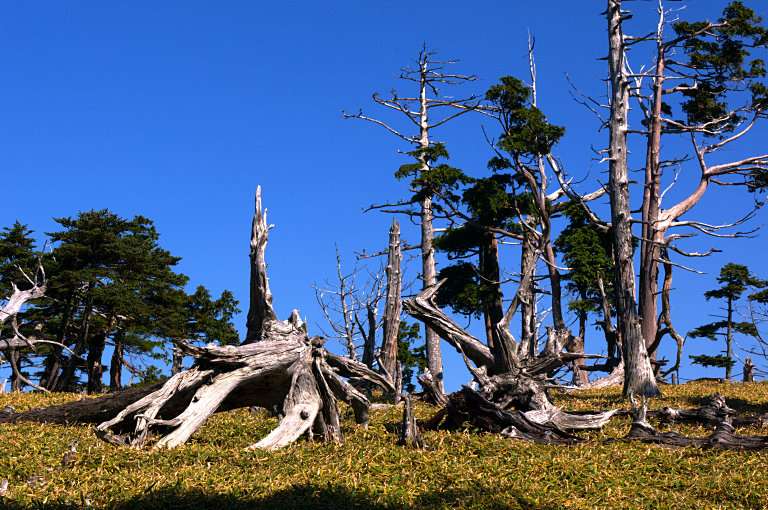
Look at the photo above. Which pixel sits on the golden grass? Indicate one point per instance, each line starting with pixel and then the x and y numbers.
pixel 369 470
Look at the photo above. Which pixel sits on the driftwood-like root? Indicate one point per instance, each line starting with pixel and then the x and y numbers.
pixel 277 367
pixel 722 438
pixel 469 406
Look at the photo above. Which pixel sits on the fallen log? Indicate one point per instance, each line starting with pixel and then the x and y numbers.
pixel 710 414
pixel 469 406
pixel 722 438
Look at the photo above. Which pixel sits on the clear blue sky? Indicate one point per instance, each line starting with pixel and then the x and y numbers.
pixel 178 110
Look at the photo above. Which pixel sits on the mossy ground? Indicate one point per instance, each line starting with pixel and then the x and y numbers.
pixel 369 470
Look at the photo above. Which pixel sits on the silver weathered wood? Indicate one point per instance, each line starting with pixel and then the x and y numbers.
pixel 278 366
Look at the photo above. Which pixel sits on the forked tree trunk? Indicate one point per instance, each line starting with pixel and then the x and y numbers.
pixel 639 377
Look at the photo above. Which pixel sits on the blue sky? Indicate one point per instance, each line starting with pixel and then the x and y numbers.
pixel 178 110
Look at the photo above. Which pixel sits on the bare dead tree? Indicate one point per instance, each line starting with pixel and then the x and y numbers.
pixel 639 377
pixel 393 304
pixel 686 78
pixel 351 310
pixel 421 110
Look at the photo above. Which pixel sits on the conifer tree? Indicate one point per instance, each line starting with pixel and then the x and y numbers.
pixel 736 279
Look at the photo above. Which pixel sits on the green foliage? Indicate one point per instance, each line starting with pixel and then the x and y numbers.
pixel 735 280
pixel 719 62
pixel 719 361
pixel 490 204
pixel 526 130
pixel 465 290
pixel 17 250
pixel 441 178
pixel 586 250
pixel 413 359
pixel 109 276
pixel 713 329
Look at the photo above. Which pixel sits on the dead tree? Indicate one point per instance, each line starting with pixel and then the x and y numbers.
pixel 278 367
pixel 351 310
pixel 506 376
pixel 705 88
pixel 429 75
pixel 393 304
pixel 14 344
pixel 722 438
pixel 638 373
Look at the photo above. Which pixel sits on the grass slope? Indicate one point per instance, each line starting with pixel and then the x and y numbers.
pixel 369 470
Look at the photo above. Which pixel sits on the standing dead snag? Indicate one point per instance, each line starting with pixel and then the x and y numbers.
pixel 278 366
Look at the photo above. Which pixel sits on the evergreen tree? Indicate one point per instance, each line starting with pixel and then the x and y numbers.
pixel 413 359
pixel 736 279
pixel 586 250
pixel 110 283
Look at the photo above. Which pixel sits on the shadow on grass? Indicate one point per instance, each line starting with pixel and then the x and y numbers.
pixel 298 496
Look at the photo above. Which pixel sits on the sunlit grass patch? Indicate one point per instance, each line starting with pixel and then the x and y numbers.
pixel 463 469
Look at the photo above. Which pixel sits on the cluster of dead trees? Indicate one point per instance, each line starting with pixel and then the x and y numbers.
pixel 280 367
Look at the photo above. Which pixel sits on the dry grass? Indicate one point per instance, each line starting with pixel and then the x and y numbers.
pixel 369 470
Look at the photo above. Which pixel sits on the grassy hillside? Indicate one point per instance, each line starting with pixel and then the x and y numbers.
pixel 368 470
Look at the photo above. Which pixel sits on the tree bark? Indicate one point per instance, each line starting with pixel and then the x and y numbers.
pixel 393 304
pixel 66 378
pixel 639 376
pixel 93 362
pixel 528 336
pixel 409 431
pixel 749 370
pixel 575 345
pixel 116 364
pixel 652 237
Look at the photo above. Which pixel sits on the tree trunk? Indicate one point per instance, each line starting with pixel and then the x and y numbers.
pixel 652 237
pixel 116 365
pixel 528 335
pixel 749 370
pixel 493 312
pixel 50 375
pixel 575 345
pixel 729 339
pixel 94 366
pixel 639 377
pixel 66 378
pixel 14 358
pixel 177 361
pixel 393 304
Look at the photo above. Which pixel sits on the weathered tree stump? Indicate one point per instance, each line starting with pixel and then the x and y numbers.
pixel 278 367
pixel 507 376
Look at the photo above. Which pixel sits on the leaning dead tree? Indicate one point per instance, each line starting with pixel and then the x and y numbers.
pixel 278 367
pixel 507 375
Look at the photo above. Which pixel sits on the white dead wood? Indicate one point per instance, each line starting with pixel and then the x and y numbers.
pixel 278 367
